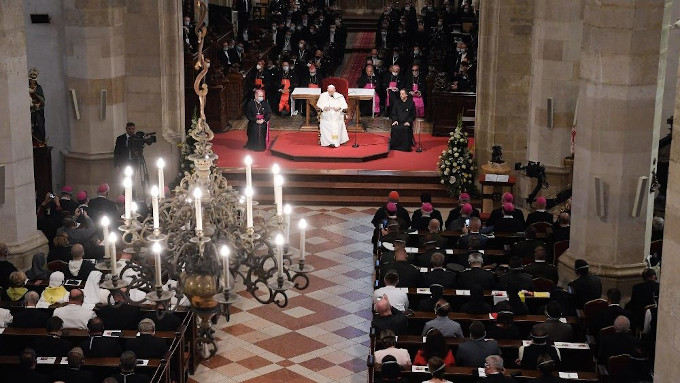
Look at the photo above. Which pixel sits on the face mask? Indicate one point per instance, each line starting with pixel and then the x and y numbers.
pixel 302 46
pixel 273 27
pixel 312 73
pixel 299 27
pixel 408 8
pixel 440 24
pixel 186 24
pixel 416 52
pixel 395 73
pixel 258 66
pixel 288 36
pixel 240 48
pixel 429 7
pixel 285 69
pixel 260 99
pixel 225 49
pixel 332 30
pixel 321 19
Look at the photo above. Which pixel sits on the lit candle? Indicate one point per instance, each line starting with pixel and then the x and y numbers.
pixel 249 171
pixel 249 206
pixel 112 243
pixel 286 212
pixel 278 194
pixel 276 169
pixel 199 212
pixel 105 224
pixel 156 248
pixel 127 184
pixel 303 227
pixel 154 203
pixel 160 164
pixel 279 253
pixel 133 207
pixel 224 251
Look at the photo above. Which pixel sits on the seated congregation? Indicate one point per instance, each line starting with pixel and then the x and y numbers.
pixel 485 298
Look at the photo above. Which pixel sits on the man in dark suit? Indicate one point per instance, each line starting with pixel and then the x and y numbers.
pixel 102 206
pixel 389 318
pixel 454 214
pixel 508 223
pixel 122 156
pixel 540 268
pixel 244 8
pixel 556 330
pixel 73 373
pixel 475 275
pixel 527 247
pixel 539 346
pixel 98 346
pixel 146 345
pixel 540 215
pixel 561 228
pixel 473 232
pixel 516 276
pixel 127 374
pixel 586 287
pixel 607 316
pixel 30 316
pixel 123 317
pixel 25 371
pixel 643 295
pixel 409 276
pixel 620 342
pixel 493 369
pixel 52 344
pixel 473 352
pixel 439 275
pixel 169 322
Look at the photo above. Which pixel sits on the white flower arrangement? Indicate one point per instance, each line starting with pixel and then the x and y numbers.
pixel 455 166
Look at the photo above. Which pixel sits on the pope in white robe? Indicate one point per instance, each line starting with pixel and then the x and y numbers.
pixel 332 124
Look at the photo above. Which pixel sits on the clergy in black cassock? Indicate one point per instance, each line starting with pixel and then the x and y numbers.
pixel 369 80
pixel 403 114
pixel 258 112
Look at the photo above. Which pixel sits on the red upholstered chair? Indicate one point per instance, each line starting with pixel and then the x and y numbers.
pixel 592 308
pixel 616 366
pixel 58 266
pixel 341 85
pixel 542 227
pixel 543 284
pixel 559 248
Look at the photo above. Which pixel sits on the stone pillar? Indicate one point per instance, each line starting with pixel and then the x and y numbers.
pixel 17 211
pixel 621 88
pixel 154 83
pixel 556 48
pixel 666 368
pixel 504 79
pixel 95 62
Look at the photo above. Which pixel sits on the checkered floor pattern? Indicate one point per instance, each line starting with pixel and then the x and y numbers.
pixel 322 335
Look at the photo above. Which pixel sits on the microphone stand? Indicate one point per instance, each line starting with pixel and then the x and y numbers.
pixel 356 144
pixel 420 141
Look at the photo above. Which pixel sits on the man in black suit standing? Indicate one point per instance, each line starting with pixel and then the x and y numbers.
pixel 644 294
pixel 146 345
pixel 244 8
pixel 102 206
pixel 122 154
pixel 540 215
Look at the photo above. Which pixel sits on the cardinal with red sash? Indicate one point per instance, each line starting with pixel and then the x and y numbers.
pixel 285 86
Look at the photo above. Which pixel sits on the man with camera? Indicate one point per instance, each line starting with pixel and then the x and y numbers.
pixel 129 151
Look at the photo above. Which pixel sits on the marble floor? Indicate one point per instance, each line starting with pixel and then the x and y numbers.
pixel 322 334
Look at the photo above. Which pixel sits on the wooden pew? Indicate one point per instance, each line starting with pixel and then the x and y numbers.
pixel 470 374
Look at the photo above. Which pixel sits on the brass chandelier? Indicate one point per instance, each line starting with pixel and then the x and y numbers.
pixel 205 237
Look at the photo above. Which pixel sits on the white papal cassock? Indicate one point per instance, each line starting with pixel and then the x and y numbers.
pixel 332 124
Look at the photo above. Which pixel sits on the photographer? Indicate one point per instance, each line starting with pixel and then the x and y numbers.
pixel 122 153
pixel 129 151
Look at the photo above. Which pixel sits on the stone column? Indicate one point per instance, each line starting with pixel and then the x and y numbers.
pixel 666 367
pixel 504 79
pixel 17 211
pixel 556 48
pixel 95 62
pixel 621 88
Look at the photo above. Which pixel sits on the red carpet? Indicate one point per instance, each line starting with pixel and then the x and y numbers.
pixel 353 67
pixel 304 146
pixel 364 40
pixel 229 147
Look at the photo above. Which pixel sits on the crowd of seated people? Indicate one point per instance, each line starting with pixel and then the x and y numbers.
pixel 463 294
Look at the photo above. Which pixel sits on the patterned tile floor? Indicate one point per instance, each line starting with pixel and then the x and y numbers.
pixel 322 334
